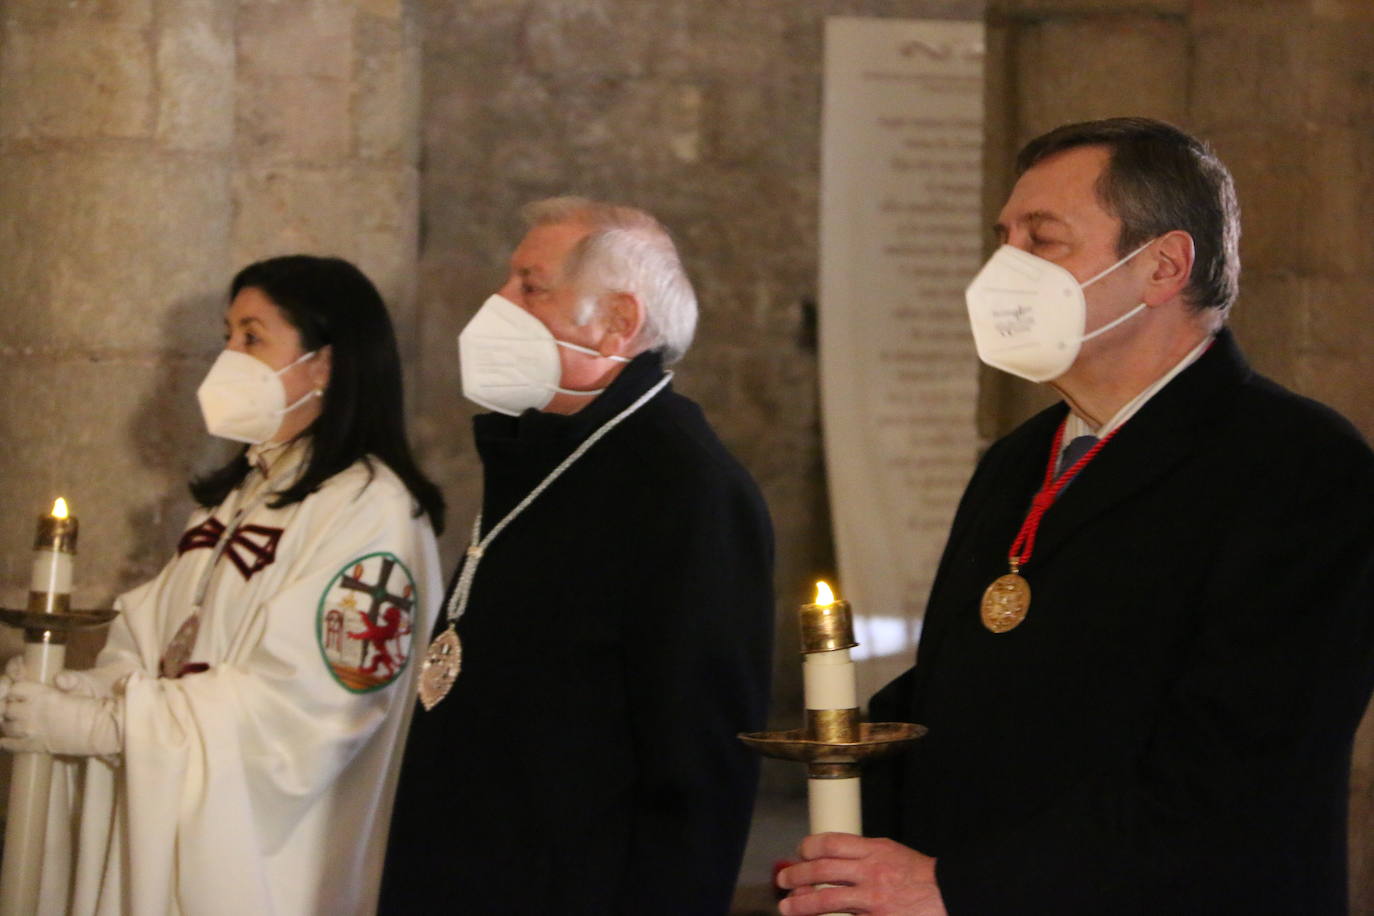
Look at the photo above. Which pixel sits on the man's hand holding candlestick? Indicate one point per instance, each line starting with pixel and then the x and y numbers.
pixel 872 876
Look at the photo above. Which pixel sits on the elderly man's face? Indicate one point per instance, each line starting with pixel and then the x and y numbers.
pixel 1053 213
pixel 537 283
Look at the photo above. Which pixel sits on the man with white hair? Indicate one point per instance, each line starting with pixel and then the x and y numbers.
pixel 613 613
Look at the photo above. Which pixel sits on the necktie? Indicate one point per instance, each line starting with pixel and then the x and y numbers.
pixel 1073 451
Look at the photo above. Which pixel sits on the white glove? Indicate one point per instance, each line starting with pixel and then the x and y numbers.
pixel 81 683
pixel 15 664
pixel 42 718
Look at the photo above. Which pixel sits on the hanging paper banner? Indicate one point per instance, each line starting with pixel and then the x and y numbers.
pixel 901 235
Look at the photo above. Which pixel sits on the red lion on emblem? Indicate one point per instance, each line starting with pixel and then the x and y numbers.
pixel 379 636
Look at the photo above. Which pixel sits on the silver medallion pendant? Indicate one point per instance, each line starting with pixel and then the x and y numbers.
pixel 440 669
pixel 178 651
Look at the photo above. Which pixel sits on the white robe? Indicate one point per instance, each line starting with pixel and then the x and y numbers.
pixel 263 785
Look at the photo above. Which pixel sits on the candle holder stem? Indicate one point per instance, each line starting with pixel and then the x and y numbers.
pixel 30 784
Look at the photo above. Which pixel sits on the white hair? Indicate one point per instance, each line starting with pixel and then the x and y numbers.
pixel 625 251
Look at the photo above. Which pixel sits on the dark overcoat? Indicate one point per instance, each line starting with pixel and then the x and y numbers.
pixel 1169 729
pixel 617 639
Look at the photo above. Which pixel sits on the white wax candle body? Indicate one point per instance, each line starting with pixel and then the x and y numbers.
pixel 26 823
pixel 828 680
pixel 835 806
pixel 52 572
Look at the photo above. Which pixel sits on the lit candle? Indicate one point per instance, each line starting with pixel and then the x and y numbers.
pixel 832 710
pixel 834 742
pixel 828 671
pixel 54 555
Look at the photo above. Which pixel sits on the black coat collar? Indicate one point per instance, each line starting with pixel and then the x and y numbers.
pixel 517 452
pixel 1165 432
pixel 537 432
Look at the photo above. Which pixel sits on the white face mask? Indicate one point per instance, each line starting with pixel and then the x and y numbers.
pixel 243 399
pixel 509 359
pixel 1029 314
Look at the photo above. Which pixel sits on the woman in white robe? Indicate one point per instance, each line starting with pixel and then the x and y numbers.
pixel 235 748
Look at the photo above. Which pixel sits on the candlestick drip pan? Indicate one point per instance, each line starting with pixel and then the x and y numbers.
pixel 68 620
pixel 54 628
pixel 876 739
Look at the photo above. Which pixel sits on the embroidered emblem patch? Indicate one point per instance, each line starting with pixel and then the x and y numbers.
pixel 364 622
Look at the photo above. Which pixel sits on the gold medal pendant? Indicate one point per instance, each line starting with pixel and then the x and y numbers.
pixel 440 670
pixel 1005 602
pixel 1008 598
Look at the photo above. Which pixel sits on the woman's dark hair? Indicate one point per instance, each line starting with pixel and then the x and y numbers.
pixel 331 303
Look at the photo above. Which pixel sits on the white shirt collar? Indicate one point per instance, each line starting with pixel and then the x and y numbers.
pixel 276 460
pixel 1076 426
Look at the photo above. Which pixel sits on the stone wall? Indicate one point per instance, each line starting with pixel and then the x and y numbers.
pixel 116 147
pixel 148 149
pixel 1284 90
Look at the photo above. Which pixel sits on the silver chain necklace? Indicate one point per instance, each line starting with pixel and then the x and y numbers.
pixel 444 657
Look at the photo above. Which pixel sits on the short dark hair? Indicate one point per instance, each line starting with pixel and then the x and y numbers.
pixel 1159 179
pixel 332 303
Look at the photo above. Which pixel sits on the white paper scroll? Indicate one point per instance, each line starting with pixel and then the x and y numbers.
pixel 901 235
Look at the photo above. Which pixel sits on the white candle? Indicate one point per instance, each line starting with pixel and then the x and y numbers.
pixel 52 572
pixel 829 680
pixel 53 560
pixel 835 805
pixel 831 697
pixel 828 685
pixel 31 776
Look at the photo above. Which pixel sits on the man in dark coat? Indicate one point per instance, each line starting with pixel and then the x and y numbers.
pixel 618 629
pixel 1167 727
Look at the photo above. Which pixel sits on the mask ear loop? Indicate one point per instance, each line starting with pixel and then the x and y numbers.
pixel 1126 317
pixel 1086 283
pixel 1111 324
pixel 312 393
pixel 297 361
pixel 589 351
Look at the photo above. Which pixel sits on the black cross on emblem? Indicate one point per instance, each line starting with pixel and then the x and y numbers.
pixel 377 590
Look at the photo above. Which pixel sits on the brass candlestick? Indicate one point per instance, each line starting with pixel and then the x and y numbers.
pixel 835 742
pixel 49 616
pixel 46 622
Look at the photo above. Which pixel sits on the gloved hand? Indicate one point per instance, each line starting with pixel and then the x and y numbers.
pixel 15 670
pixel 82 683
pixel 42 718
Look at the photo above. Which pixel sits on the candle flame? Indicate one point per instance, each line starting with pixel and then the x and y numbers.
pixel 59 508
pixel 824 596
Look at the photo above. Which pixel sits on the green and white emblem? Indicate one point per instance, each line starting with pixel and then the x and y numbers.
pixel 364 622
